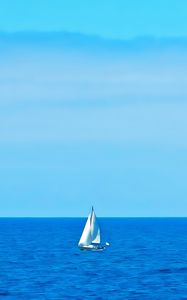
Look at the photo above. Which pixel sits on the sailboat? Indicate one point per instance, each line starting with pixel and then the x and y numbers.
pixel 91 235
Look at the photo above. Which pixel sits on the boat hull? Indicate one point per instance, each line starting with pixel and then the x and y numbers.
pixel 92 248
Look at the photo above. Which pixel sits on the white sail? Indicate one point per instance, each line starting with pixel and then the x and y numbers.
pixel 95 230
pixel 86 238
pixel 91 232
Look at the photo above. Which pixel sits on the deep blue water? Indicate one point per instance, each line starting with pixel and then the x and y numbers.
pixel 39 259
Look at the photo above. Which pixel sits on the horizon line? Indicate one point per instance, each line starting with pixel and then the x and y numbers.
pixel 103 217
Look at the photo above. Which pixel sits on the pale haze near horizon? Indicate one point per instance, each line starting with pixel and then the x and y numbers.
pixel 86 120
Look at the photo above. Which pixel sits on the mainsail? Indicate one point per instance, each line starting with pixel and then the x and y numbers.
pixel 91 232
pixel 95 230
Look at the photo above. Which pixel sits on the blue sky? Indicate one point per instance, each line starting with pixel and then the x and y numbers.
pixel 93 108
pixel 113 18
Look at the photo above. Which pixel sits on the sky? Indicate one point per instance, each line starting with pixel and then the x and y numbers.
pixel 107 18
pixel 93 108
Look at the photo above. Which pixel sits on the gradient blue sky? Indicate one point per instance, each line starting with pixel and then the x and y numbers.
pixel 93 108
pixel 108 18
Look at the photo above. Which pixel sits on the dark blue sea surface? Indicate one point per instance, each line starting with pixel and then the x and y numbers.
pixel 147 259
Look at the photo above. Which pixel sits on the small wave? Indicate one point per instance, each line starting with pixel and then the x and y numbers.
pixel 173 270
pixel 165 270
pixel 4 293
pixel 182 269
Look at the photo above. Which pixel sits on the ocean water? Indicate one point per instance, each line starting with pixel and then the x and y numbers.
pixel 147 259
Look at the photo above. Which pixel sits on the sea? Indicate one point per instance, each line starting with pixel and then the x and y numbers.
pixel 146 259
